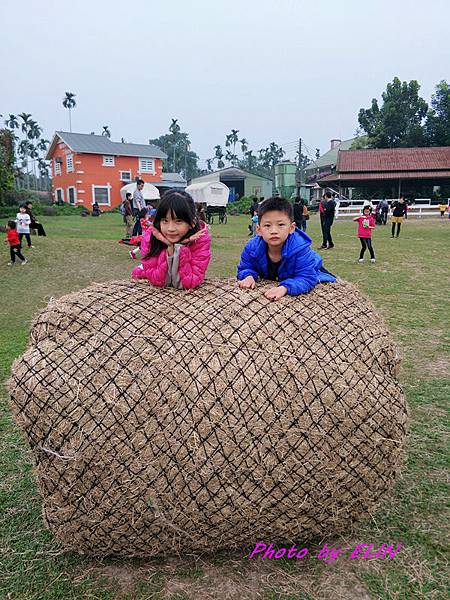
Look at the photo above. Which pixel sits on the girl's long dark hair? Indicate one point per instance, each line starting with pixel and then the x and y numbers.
pixel 181 206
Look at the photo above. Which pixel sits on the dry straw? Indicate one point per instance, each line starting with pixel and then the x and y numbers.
pixel 165 421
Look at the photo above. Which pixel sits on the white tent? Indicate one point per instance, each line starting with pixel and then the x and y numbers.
pixel 211 193
pixel 150 192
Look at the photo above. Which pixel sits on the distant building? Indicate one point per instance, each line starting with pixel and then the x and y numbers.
pixel 170 181
pixel 91 168
pixel 285 178
pixel 325 165
pixel 415 172
pixel 241 183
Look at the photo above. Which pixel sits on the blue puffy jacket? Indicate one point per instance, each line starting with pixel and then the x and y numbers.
pixel 300 269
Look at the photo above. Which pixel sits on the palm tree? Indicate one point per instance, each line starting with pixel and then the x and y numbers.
pixel 174 127
pixel 244 145
pixel 12 122
pixel 34 131
pixel 69 102
pixel 106 131
pixel 26 121
pixel 209 163
pixel 43 144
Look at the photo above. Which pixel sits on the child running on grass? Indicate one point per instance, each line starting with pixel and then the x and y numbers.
pixel 176 249
pixel 280 252
pixel 366 224
pixel 12 238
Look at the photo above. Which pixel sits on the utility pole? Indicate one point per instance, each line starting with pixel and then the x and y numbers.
pixel 298 175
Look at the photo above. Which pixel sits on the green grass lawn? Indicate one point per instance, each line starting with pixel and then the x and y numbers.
pixel 409 286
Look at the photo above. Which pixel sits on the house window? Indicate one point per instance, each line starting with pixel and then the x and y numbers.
pixel 71 195
pixel 125 176
pixel 57 167
pixel 59 193
pixel 108 161
pixel 69 163
pixel 147 165
pixel 100 194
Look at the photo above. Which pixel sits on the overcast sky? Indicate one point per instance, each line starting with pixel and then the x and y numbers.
pixel 275 70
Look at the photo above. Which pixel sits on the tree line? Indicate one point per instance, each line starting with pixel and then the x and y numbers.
pixel 404 119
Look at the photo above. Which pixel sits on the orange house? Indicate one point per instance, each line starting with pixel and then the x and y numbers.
pixel 88 168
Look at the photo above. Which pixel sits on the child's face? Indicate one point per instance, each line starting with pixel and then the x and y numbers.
pixel 22 209
pixel 173 229
pixel 274 227
pixel 366 212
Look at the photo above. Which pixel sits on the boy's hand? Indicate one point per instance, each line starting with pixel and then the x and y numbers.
pixel 275 293
pixel 248 283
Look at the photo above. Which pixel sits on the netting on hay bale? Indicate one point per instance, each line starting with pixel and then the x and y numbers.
pixel 164 421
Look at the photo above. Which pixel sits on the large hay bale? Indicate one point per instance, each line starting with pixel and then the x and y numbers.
pixel 165 421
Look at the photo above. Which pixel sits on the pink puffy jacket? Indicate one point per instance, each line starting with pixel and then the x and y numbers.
pixel 194 260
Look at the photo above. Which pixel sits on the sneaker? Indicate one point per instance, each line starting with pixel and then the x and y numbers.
pixel 322 247
pixel 361 260
pixel 372 260
pixel 24 262
pixel 330 246
pixel 131 253
pixel 10 264
pixel 30 247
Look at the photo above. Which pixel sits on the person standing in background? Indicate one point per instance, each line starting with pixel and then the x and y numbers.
pixel 329 207
pixel 138 204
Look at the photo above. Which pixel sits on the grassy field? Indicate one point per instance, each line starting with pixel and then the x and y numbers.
pixel 409 286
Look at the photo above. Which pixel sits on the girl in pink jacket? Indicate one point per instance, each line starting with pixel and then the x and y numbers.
pixel 366 223
pixel 176 249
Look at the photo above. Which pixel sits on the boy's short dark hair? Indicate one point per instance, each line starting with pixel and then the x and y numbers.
pixel 327 194
pixel 128 195
pixel 12 224
pixel 276 203
pixel 139 181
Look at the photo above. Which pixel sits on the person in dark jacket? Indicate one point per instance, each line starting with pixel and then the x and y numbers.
pixel 34 224
pixel 399 208
pixel 280 252
pixel 327 218
pixel 299 210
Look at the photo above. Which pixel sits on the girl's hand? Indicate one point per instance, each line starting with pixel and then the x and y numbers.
pixel 194 237
pixel 159 236
pixel 275 293
pixel 248 283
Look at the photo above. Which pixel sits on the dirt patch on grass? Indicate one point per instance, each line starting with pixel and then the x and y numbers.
pixel 230 578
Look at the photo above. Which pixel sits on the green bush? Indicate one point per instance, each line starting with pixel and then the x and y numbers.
pixel 241 206
pixel 16 197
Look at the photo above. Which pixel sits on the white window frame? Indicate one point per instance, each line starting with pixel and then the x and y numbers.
pixel 144 169
pixel 129 180
pixel 58 170
pixel 69 168
pixel 109 161
pixel 108 187
pixel 56 194
pixel 72 187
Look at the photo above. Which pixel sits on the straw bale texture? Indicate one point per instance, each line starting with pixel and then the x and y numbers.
pixel 164 421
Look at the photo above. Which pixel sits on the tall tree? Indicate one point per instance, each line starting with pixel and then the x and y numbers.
pixel 106 132
pixel 69 102
pixel 6 163
pixel 437 125
pixel 398 123
pixel 12 122
pixel 180 158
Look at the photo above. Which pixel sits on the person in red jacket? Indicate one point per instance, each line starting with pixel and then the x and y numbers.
pixel 12 238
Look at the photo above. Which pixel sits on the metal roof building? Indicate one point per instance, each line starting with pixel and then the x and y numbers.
pixel 86 143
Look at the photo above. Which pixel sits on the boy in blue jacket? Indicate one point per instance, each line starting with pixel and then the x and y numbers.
pixel 280 252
